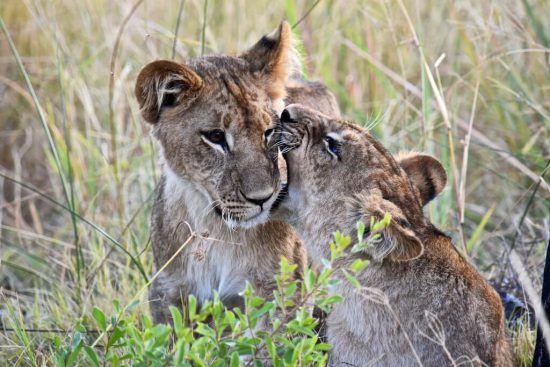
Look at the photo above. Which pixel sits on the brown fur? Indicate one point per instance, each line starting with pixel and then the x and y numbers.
pixel 315 94
pixel 421 301
pixel 223 191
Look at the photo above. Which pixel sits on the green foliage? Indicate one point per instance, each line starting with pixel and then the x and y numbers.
pixel 281 332
pixel 213 335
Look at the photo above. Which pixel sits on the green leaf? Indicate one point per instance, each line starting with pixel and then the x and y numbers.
pixel 177 321
pixel 205 330
pixel 309 279
pixel 115 336
pixel 266 308
pixel 479 229
pixel 380 225
pixel 92 356
pixel 76 346
pixel 100 318
pixel 353 280
pixel 180 352
pixel 334 299
pixel 234 360
pixel 133 304
pixel 271 348
pixel 359 265
pixel 290 289
pixel 323 347
pixel 192 308
pixel 360 231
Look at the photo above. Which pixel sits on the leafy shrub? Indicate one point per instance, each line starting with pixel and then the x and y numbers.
pixel 278 332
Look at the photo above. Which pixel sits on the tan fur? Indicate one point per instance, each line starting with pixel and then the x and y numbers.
pixel 421 303
pixel 212 190
pixel 315 94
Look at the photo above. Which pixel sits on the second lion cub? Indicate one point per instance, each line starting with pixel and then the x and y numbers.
pixel 421 303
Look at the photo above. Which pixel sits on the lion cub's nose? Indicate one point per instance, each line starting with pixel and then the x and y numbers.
pixel 258 197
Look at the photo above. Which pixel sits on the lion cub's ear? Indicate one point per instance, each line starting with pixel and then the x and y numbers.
pixel 398 241
pixel 426 174
pixel 275 59
pixel 402 239
pixel 164 83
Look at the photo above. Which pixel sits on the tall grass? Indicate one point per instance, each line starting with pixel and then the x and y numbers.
pixel 466 81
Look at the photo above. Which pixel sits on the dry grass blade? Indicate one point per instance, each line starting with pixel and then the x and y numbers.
pixel 462 189
pixel 149 282
pixel 180 12
pixel 112 124
pixel 462 124
pixel 38 107
pixel 203 31
pixel 95 161
pixel 90 223
pixel 532 295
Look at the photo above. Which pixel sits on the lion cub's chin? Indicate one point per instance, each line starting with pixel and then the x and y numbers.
pixel 249 223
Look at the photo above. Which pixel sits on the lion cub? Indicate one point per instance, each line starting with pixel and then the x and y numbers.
pixel 212 116
pixel 421 303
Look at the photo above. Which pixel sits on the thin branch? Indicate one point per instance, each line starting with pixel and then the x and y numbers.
pixel 306 14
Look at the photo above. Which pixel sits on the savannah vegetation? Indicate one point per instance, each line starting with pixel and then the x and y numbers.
pixel 466 81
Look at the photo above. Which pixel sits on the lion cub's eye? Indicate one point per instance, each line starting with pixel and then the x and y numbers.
pixel 333 146
pixel 216 137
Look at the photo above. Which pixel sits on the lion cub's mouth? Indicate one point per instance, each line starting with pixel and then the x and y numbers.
pixel 234 221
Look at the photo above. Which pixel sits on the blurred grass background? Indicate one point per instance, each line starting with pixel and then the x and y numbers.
pixel 78 167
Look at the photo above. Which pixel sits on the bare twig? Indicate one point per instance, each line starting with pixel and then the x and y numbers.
pixel 306 14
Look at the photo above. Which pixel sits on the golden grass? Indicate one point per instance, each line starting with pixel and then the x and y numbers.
pixel 465 80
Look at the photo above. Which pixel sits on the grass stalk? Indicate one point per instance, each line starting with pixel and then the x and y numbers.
pixel 112 124
pixel 446 119
pixel 83 219
pixel 180 12
pixel 462 124
pixel 532 296
pixel 203 30
pixel 38 107
pixel 79 257
pixel 149 282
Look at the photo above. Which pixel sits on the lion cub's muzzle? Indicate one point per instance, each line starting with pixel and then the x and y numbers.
pixel 251 193
pixel 246 212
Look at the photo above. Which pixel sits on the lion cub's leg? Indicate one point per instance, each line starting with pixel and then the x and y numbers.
pixel 162 295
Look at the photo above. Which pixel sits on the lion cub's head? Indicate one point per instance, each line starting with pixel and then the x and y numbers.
pixel 339 174
pixel 212 116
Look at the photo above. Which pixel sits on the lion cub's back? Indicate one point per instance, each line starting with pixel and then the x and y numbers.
pixel 469 309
